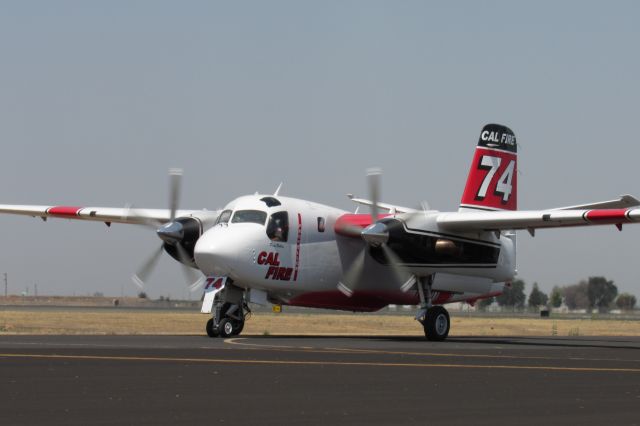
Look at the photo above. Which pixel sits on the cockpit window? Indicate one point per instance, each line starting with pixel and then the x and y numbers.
pixel 249 216
pixel 278 227
pixel 224 217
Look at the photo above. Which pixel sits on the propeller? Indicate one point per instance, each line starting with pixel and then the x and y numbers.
pixel 140 277
pixel 172 235
pixel 375 235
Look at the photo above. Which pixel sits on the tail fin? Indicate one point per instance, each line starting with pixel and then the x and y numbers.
pixel 493 178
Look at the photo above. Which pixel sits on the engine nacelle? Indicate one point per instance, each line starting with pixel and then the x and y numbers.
pixel 426 248
pixel 192 227
pixel 192 230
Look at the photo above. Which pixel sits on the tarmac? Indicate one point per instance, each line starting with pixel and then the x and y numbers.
pixel 276 380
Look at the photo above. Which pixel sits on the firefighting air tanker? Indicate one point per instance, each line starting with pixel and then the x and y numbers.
pixel 273 249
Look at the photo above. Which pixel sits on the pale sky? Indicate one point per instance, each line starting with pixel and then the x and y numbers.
pixel 99 99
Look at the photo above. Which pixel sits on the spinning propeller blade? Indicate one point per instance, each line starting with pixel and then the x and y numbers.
pixel 175 178
pixel 402 274
pixel 373 176
pixel 140 277
pixel 170 233
pixel 352 274
pixel 131 211
pixel 193 278
pixel 375 235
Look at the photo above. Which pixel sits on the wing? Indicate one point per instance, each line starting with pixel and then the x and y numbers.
pixel 103 214
pixel 383 206
pixel 534 219
pixel 624 202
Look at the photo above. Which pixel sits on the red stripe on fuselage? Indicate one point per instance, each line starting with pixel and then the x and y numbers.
pixel 64 211
pixel 298 241
pixel 608 215
pixel 362 300
pixel 347 222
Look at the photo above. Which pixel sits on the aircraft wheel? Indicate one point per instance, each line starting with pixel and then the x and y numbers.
pixel 211 330
pixel 228 327
pixel 238 328
pixel 436 324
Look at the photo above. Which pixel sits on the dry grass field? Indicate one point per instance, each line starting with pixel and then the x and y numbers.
pixel 116 321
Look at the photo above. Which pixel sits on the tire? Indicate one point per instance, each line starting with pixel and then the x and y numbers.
pixel 211 330
pixel 437 324
pixel 239 327
pixel 227 327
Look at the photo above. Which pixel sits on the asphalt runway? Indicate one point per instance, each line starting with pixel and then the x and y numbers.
pixel 275 380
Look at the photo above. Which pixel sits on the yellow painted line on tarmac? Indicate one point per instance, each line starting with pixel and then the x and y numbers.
pixel 451 355
pixel 316 363
pixel 236 341
pixel 282 348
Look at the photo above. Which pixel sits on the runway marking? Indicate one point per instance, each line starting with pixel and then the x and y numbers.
pixel 234 341
pixel 444 354
pixel 318 363
pixel 283 348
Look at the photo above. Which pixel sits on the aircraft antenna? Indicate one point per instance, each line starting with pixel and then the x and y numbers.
pixel 275 194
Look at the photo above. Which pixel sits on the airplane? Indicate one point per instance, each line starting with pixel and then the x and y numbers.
pixel 267 248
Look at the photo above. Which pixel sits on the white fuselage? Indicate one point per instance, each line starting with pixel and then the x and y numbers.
pixel 288 248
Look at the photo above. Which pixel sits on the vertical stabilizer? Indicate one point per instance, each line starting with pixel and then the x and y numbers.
pixel 493 178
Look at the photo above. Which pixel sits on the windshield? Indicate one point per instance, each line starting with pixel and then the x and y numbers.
pixel 249 216
pixel 224 217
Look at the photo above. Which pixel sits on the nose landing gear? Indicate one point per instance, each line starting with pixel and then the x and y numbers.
pixel 229 313
pixel 211 330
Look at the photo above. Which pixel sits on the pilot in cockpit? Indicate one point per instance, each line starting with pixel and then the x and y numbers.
pixel 278 228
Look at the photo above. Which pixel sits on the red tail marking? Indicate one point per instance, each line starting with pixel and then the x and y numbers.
pixel 482 193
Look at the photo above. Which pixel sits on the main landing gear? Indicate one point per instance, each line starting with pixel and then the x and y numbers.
pixel 434 319
pixel 229 313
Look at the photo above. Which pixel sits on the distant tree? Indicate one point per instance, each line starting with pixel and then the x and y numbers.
pixel 142 295
pixel 513 296
pixel 537 298
pixel 98 294
pixel 601 292
pixel 556 297
pixel 575 296
pixel 626 301
pixel 483 304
